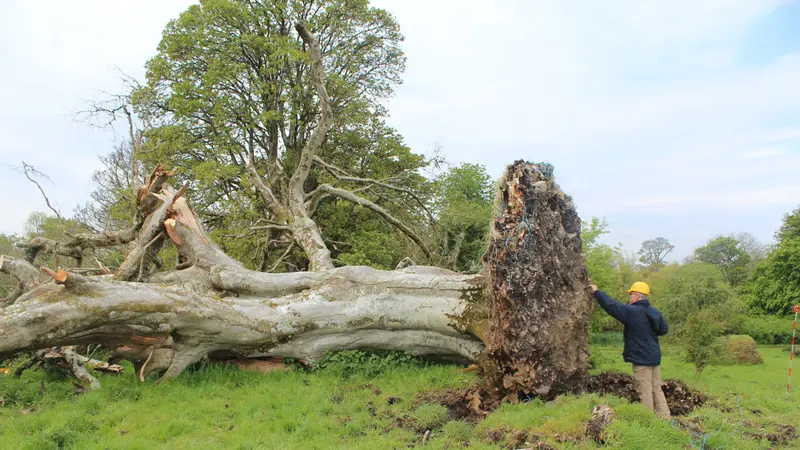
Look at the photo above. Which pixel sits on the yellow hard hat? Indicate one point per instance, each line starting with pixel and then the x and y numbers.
pixel 640 287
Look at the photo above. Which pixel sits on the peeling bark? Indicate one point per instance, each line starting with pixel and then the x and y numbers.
pixel 350 307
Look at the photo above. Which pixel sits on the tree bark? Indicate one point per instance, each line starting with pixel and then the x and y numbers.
pixel 299 315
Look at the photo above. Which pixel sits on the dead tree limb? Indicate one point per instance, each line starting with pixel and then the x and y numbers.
pixel 30 170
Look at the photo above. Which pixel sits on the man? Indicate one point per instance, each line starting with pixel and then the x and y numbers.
pixel 643 325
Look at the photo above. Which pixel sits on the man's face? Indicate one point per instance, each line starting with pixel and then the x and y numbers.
pixel 634 297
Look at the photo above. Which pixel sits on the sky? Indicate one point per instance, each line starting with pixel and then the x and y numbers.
pixel 678 119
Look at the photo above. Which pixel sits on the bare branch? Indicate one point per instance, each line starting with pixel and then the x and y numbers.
pixel 344 176
pixel 30 170
pixel 12 297
pixel 283 256
pixel 350 196
pixel 266 193
pixel 77 243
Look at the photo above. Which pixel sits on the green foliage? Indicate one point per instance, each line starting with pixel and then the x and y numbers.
pixel 728 255
pixel 607 266
pixel 681 291
pixel 463 206
pixel 790 228
pixel 372 248
pixel 7 247
pixel 348 363
pixel 231 81
pixel 608 269
pixel 775 285
pixel 766 330
pixel 698 337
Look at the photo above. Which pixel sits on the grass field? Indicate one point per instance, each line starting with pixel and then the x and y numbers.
pixel 222 407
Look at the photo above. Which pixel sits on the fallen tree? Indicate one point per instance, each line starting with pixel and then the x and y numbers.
pixel 532 310
pixel 525 320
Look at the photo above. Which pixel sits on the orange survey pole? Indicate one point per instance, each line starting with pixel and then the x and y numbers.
pixel 791 354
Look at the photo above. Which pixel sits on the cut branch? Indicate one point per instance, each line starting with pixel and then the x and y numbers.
pixel 79 242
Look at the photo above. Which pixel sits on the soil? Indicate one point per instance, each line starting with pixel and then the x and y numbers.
pixel 681 398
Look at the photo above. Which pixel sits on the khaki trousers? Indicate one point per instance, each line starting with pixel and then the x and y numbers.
pixel 647 381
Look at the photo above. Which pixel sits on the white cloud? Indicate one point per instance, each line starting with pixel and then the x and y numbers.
pixel 766 152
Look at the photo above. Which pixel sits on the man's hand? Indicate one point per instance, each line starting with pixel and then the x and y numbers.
pixel 593 288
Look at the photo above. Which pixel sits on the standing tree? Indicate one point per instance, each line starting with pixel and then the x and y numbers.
pixel 775 284
pixel 654 251
pixel 728 255
pixel 753 247
pixel 269 123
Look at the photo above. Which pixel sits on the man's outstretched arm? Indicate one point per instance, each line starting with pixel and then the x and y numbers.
pixel 614 308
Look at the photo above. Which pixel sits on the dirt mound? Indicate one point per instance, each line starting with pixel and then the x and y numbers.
pixel 681 398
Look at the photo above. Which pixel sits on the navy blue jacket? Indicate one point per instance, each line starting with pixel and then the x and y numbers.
pixel 643 325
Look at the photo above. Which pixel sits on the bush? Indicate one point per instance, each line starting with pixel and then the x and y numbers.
pixel 681 291
pixel 737 349
pixel 356 362
pixel 766 330
pixel 698 337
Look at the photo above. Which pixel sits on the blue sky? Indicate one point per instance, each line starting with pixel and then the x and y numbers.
pixel 678 119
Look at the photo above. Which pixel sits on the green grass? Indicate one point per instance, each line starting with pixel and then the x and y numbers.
pixel 221 407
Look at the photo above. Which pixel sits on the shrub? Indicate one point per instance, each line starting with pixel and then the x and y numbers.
pixel 698 336
pixel 766 330
pixel 356 362
pixel 737 349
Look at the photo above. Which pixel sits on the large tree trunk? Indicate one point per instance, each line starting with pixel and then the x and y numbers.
pixel 532 311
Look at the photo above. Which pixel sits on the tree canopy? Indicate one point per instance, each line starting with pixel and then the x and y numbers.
pixel 654 251
pixel 234 100
pixel 775 285
pixel 728 255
